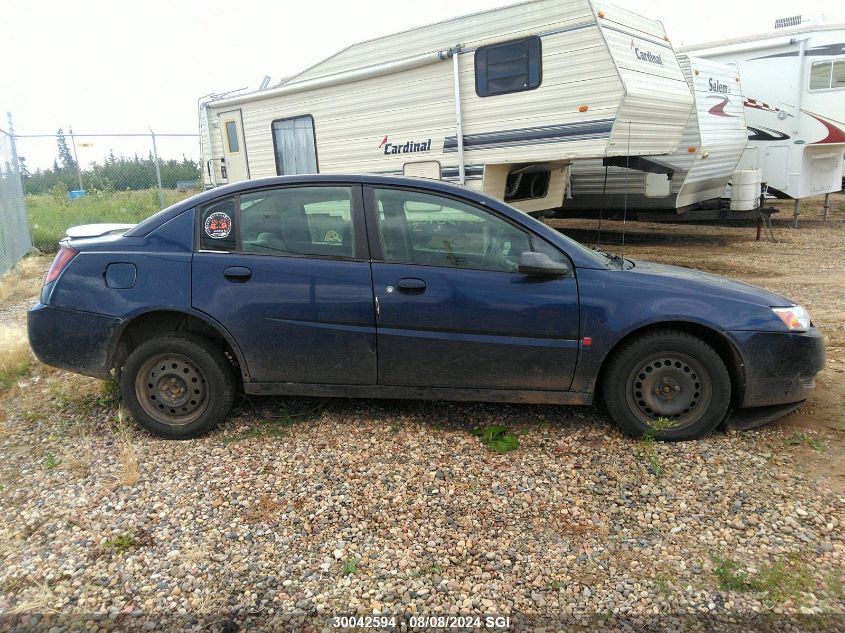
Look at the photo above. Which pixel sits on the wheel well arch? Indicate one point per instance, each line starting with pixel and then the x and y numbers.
pixel 157 322
pixel 715 339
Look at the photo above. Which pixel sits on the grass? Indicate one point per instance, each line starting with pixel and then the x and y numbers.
pixel 129 473
pixel 800 438
pixel 785 579
pixel 497 438
pixel 120 543
pixel 16 358
pixel 276 426
pixel 24 280
pixel 732 576
pixel 50 216
pixel 647 449
pixel 350 566
pixel 435 569
pixel 51 461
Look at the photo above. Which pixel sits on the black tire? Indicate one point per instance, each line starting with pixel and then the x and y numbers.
pixel 670 375
pixel 178 386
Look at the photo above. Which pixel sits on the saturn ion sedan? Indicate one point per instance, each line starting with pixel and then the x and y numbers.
pixel 380 287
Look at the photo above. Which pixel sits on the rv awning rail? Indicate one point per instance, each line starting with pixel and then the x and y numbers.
pixel 337 79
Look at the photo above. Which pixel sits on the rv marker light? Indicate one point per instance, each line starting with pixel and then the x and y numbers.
pixel 692 150
pixel 583 108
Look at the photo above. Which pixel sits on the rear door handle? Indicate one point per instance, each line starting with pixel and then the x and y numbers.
pixel 411 286
pixel 237 273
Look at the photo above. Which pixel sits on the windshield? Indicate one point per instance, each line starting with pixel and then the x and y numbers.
pixel 605 260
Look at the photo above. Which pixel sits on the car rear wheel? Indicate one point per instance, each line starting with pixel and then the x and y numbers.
pixel 178 386
pixel 669 384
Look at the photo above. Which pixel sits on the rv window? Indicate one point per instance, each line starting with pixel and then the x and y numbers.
pixel 508 67
pixel 232 137
pixel 828 74
pixel 838 75
pixel 295 145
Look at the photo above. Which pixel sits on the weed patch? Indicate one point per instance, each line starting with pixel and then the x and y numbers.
pixel 785 579
pixel 799 438
pixel 647 448
pixel 350 566
pixel 51 461
pixel 276 426
pixel 497 438
pixel 16 358
pixel 120 543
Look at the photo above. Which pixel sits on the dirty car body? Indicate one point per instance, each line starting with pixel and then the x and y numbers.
pixel 368 286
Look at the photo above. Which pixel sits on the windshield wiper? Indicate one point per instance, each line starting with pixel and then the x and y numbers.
pixel 617 259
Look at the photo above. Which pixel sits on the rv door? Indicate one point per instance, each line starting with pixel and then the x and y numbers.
pixel 235 168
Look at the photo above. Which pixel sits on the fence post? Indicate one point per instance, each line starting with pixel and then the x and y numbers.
pixel 76 158
pixel 12 141
pixel 158 171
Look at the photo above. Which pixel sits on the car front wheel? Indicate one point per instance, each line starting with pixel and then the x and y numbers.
pixel 178 387
pixel 671 385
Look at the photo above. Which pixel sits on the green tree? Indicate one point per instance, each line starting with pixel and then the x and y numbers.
pixel 23 167
pixel 65 157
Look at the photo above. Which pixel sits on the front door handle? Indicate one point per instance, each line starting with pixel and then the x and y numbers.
pixel 411 286
pixel 238 274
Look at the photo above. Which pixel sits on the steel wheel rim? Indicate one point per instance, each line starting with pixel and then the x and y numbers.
pixel 669 385
pixel 172 389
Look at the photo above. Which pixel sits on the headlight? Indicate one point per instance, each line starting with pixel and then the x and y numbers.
pixel 795 318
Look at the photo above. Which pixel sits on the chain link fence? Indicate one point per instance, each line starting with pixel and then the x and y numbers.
pixel 14 229
pixel 70 178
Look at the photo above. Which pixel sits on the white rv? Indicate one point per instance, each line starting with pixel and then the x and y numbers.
pixel 501 101
pixel 713 141
pixel 794 85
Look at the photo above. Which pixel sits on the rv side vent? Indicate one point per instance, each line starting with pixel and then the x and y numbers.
pixel 782 23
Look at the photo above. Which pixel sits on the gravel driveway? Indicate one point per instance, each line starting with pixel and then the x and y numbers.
pixel 358 507
pixel 298 511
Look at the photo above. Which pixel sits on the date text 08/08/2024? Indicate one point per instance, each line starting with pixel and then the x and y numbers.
pixel 422 621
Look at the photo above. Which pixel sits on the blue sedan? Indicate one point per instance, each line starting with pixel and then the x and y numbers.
pixel 377 287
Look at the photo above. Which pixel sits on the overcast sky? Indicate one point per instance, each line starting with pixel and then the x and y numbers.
pixel 117 66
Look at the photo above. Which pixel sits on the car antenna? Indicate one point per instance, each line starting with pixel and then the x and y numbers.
pixel 625 201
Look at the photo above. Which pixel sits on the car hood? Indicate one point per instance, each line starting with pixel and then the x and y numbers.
pixel 707 283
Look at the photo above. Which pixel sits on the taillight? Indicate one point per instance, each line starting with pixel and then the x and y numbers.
pixel 63 257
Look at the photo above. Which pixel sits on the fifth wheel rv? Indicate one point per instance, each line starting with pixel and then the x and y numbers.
pixel 713 141
pixel 500 101
pixel 794 85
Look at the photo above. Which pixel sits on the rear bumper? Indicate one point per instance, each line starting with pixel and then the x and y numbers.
pixel 780 368
pixel 70 339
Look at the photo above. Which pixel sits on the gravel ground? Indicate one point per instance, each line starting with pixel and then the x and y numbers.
pixel 260 522
pixel 299 510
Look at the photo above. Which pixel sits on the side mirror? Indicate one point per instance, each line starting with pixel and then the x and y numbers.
pixel 541 265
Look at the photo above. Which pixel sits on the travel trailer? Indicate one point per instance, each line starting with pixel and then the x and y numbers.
pixel 500 101
pixel 794 85
pixel 697 173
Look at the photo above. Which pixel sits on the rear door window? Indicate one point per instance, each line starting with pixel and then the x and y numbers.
pixel 289 221
pixel 217 225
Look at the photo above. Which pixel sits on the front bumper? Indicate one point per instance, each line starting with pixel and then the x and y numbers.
pixel 71 339
pixel 779 367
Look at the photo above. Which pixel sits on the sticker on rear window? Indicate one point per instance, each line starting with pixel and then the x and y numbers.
pixel 218 225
